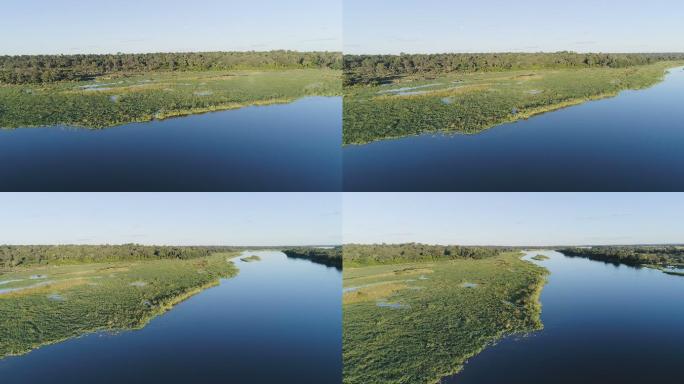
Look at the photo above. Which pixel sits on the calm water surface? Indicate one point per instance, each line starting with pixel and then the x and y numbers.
pixel 278 321
pixel 603 324
pixel 632 142
pixel 288 147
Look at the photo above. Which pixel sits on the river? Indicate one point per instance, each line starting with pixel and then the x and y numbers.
pixel 632 142
pixel 602 324
pixel 278 321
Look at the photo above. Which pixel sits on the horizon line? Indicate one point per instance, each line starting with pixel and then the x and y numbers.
pixel 509 52
pixel 344 244
pixel 166 52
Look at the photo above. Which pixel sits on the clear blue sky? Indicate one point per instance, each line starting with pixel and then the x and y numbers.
pixel 169 218
pixel 514 219
pixel 430 26
pixel 107 26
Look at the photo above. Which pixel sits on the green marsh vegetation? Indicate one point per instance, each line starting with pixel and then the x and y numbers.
pixel 47 302
pixel 97 91
pixel 540 257
pixel 251 259
pixel 395 96
pixel 416 322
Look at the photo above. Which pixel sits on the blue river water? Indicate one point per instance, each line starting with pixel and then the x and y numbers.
pixel 288 147
pixel 602 324
pixel 632 142
pixel 278 321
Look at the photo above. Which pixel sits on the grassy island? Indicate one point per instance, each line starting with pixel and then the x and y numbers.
pixel 540 257
pixel 114 288
pixel 250 259
pixel 416 322
pixel 390 97
pixel 97 91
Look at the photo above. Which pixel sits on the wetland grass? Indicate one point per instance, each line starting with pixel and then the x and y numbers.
pixel 468 103
pixel 418 322
pixel 139 97
pixel 76 299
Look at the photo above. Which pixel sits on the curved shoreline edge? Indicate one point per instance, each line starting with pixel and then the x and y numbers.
pixel 163 307
pixel 523 114
pixel 535 299
pixel 177 114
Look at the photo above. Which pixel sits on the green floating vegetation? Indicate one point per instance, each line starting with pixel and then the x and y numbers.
pixel 540 257
pixel 421 321
pixel 470 102
pixel 44 304
pixel 121 98
pixel 250 259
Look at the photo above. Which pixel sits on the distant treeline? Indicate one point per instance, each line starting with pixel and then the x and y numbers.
pixel 630 255
pixel 331 257
pixel 356 254
pixel 17 255
pixel 52 68
pixel 377 69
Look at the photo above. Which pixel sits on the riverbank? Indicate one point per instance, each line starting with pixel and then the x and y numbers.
pixel 328 256
pixel 667 259
pixel 85 298
pixel 615 311
pixel 419 322
pixel 109 101
pixel 468 103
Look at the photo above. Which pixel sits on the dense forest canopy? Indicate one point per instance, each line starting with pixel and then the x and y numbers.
pixel 631 255
pixel 52 68
pixel 331 257
pixel 357 254
pixel 19 255
pixel 377 69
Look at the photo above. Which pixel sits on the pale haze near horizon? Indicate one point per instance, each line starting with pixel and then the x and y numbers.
pixel 101 26
pixel 438 26
pixel 513 219
pixel 249 219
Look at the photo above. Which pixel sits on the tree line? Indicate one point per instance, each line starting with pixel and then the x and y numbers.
pixel 357 254
pixel 331 257
pixel 378 69
pixel 52 68
pixel 19 255
pixel 630 255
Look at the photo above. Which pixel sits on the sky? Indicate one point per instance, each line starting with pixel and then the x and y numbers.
pixel 534 219
pixel 438 26
pixel 171 218
pixel 134 26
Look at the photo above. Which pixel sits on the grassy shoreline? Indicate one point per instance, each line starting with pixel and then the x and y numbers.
pixel 420 322
pixel 137 98
pixel 113 297
pixel 482 101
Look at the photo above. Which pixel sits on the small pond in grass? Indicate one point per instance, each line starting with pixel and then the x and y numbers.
pixel 285 147
pixel 278 321
pixel 603 323
pixel 632 142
